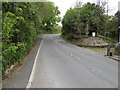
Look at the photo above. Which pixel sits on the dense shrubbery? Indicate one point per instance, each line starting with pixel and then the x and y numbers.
pixel 22 22
pixel 88 18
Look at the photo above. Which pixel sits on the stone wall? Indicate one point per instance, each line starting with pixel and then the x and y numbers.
pixel 92 42
pixel 117 49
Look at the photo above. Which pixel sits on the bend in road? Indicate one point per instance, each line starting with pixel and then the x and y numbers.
pixel 63 65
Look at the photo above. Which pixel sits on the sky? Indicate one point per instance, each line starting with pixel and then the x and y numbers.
pixel 66 4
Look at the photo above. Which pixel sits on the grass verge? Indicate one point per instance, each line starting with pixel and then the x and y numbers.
pixel 51 32
pixel 99 50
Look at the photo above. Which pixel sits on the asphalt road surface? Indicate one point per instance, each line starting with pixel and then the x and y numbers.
pixel 63 65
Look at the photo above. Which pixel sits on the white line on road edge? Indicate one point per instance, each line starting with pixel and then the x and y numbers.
pixel 34 67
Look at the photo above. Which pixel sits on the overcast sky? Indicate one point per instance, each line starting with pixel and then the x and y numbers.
pixel 66 4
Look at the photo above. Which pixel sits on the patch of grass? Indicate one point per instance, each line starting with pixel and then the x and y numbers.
pixel 97 49
pixel 51 32
pixel 61 36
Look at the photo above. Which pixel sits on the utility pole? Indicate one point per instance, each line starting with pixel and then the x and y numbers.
pixel 119 22
pixel 107 7
pixel 109 53
pixel 117 47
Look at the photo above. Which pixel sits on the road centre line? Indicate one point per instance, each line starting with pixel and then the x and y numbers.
pixel 93 68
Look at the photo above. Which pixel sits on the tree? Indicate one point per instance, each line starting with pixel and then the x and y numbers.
pixel 52 16
pixel 113 27
pixel 83 20
pixel 22 23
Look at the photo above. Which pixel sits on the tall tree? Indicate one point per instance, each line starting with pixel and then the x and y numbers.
pixel 88 18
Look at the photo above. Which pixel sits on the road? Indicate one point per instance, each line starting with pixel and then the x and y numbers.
pixel 63 65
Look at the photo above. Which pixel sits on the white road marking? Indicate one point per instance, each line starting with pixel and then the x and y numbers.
pixel 56 42
pixel 33 68
pixel 93 68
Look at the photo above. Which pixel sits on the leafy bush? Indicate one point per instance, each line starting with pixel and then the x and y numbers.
pixel 70 37
pixel 22 22
pixel 12 54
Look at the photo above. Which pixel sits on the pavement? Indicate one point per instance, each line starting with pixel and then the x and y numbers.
pixel 59 64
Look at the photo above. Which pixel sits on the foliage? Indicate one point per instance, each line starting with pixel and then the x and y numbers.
pixel 50 20
pixel 88 18
pixel 113 27
pixel 83 20
pixel 22 22
pixel 69 22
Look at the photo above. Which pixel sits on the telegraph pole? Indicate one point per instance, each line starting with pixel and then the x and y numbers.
pixel 117 47
pixel 119 22
pixel 107 7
